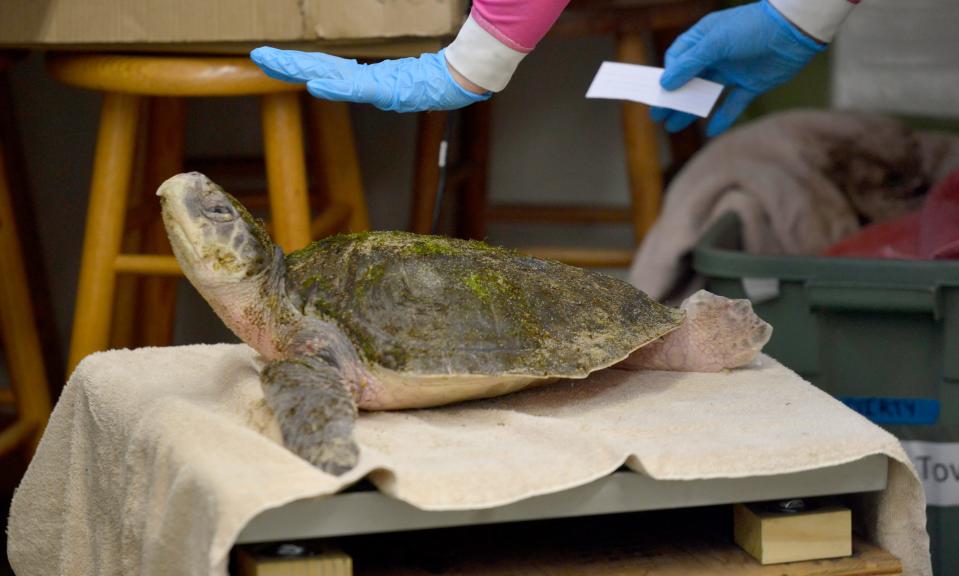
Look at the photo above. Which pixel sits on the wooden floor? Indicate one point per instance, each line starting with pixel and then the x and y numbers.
pixel 667 543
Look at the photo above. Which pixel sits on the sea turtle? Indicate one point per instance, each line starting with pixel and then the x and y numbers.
pixel 392 320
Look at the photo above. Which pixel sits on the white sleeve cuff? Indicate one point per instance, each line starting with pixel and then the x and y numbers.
pixel 818 18
pixel 481 58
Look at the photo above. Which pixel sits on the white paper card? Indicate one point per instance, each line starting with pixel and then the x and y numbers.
pixel 618 81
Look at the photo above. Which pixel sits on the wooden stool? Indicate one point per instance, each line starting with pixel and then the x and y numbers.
pixel 18 331
pixel 627 21
pixel 131 83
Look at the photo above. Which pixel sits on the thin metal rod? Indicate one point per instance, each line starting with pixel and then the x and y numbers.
pixel 441 160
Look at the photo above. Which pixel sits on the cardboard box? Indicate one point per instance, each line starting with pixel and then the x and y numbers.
pixel 123 23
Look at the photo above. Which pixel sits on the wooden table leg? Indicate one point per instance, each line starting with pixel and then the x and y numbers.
pixel 286 170
pixel 336 161
pixel 112 167
pixel 164 159
pixel 28 376
pixel 642 146
pixel 427 173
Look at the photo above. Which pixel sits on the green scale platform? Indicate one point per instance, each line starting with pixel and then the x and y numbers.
pixel 881 335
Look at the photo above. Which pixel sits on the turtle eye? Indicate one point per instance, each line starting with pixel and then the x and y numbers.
pixel 220 212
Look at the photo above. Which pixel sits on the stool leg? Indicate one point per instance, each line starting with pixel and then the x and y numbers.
pixel 427 173
pixel 684 144
pixel 336 160
pixel 112 166
pixel 28 376
pixel 478 119
pixel 164 159
pixel 24 210
pixel 642 146
pixel 124 314
pixel 286 170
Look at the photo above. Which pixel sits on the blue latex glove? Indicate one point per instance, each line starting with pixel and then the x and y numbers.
pixel 404 85
pixel 751 49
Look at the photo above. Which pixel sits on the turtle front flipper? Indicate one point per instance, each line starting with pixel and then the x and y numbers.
pixel 311 398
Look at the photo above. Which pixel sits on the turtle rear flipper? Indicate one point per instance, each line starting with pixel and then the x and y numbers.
pixel 718 334
pixel 312 402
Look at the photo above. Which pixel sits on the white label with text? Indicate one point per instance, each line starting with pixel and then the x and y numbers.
pixel 937 464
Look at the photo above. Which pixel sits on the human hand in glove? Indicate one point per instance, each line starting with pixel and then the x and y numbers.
pixel 750 49
pixel 403 85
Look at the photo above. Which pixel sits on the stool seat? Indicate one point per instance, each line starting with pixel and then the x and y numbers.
pixel 158 75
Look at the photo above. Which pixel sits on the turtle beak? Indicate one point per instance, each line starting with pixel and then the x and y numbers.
pixel 178 201
pixel 182 183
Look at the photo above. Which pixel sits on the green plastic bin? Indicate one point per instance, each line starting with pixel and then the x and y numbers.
pixel 881 335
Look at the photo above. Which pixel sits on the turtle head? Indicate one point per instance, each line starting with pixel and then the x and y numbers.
pixel 228 257
pixel 216 240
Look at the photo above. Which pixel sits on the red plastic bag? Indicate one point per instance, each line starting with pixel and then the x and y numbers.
pixel 931 233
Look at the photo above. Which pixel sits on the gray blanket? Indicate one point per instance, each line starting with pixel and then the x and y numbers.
pixel 799 181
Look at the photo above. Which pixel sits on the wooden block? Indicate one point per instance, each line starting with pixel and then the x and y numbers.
pixel 772 536
pixel 301 559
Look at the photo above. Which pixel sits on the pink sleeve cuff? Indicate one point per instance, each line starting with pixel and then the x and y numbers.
pixel 497 35
pixel 482 58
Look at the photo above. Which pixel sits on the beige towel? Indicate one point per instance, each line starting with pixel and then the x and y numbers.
pixel 799 181
pixel 155 459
